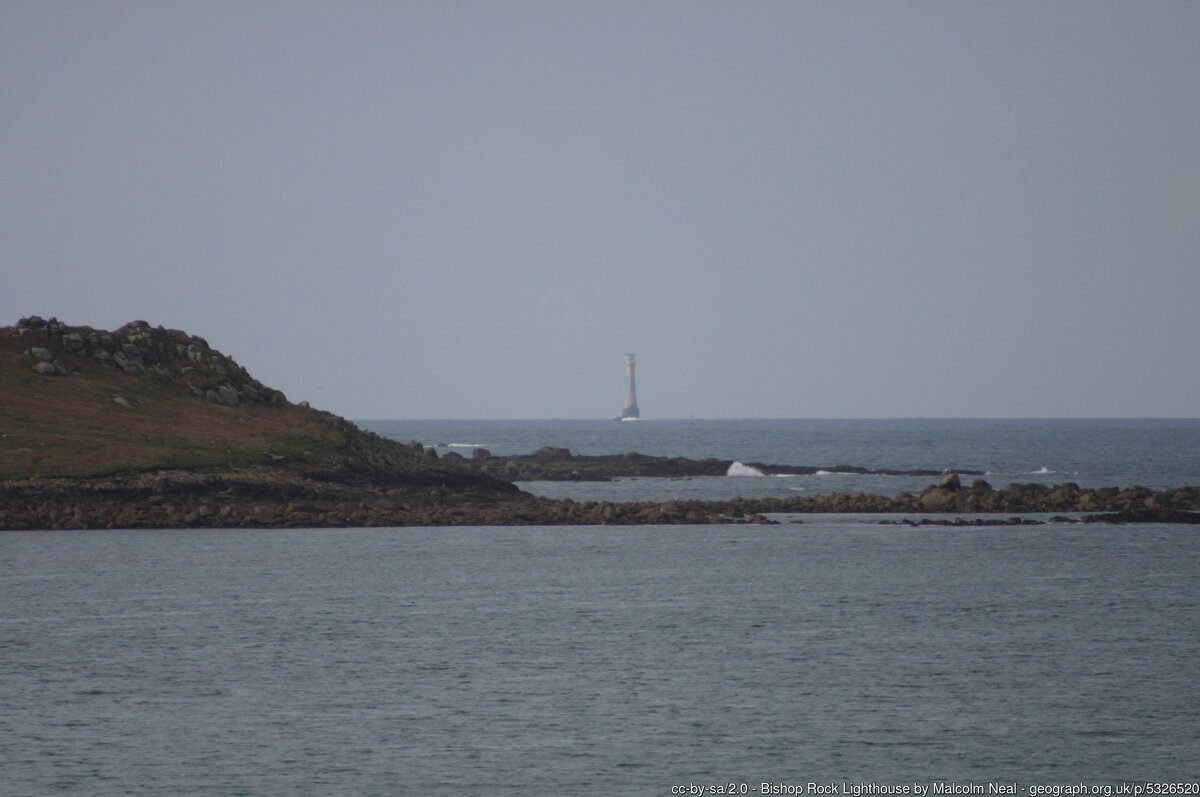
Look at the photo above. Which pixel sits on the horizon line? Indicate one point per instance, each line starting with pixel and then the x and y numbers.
pixel 824 418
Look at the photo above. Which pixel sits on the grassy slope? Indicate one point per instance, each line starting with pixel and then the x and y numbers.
pixel 69 425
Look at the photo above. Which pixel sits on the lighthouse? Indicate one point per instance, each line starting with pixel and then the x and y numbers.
pixel 631 409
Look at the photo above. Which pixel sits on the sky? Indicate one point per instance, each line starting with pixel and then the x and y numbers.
pixel 471 209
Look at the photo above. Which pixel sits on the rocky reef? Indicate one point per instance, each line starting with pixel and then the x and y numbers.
pixel 265 498
pixel 245 498
pixel 950 497
pixel 559 464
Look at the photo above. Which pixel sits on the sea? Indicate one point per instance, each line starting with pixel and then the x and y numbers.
pixel 1157 453
pixel 824 654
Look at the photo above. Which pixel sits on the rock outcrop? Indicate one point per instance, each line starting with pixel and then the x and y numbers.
pixel 138 348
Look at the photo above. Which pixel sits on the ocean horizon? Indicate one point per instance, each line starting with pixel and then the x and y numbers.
pixel 1157 453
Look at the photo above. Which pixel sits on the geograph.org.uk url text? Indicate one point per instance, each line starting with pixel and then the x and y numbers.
pixel 939 788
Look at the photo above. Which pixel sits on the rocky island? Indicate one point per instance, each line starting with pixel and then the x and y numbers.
pixel 146 427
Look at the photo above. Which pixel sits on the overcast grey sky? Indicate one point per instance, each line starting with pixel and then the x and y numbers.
pixel 474 209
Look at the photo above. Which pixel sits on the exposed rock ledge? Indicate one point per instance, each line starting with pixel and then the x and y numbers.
pixel 559 464
pixel 259 498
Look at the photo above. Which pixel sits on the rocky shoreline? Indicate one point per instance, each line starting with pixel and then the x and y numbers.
pixel 260 498
pixel 147 427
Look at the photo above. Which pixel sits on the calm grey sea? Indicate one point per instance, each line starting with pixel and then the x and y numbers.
pixel 1155 453
pixel 595 660
pixel 548 661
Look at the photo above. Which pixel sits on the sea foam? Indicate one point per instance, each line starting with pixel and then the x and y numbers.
pixel 741 469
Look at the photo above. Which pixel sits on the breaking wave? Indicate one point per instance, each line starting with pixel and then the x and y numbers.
pixel 740 469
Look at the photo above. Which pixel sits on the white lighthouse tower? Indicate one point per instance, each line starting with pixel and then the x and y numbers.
pixel 631 409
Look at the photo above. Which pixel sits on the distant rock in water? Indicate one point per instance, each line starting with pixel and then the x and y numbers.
pixel 559 464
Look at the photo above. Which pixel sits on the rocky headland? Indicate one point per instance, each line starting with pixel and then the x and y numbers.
pixel 151 427
pixel 146 427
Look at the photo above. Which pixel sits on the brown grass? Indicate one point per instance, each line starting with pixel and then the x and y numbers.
pixel 70 425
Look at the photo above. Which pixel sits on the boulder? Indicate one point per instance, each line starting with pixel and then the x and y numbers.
pixel 50 369
pixel 130 365
pixel 551 451
pixel 38 353
pixel 264 513
pixel 937 499
pixel 227 395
